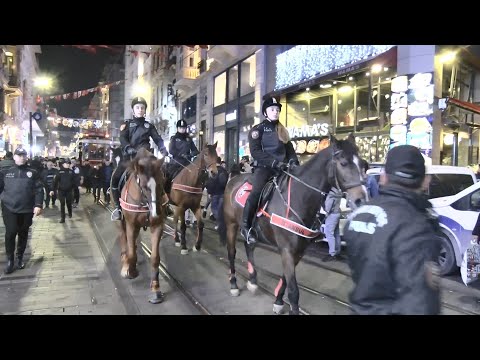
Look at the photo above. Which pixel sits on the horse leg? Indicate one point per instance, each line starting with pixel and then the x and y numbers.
pixel 156 295
pixel 183 229
pixel 132 235
pixel 123 250
pixel 252 273
pixel 232 230
pixel 175 226
pixel 279 292
pixel 289 275
pixel 200 225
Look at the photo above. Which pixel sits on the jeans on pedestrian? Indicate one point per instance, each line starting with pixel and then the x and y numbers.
pixel 332 233
pixel 217 204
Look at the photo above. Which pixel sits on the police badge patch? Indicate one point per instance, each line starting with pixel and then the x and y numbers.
pixel 29 174
pixel 255 134
pixel 123 126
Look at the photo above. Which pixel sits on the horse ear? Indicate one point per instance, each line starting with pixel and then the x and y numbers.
pixel 215 145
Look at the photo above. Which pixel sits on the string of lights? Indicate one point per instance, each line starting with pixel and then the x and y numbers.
pixel 304 62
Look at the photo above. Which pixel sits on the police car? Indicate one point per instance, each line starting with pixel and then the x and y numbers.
pixel 454 193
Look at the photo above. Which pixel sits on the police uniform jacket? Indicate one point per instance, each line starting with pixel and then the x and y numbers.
pixel 136 133
pixel 21 188
pixel 266 148
pixel 48 177
pixel 65 180
pixel 392 245
pixel 180 145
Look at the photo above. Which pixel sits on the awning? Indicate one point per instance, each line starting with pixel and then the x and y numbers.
pixel 465 105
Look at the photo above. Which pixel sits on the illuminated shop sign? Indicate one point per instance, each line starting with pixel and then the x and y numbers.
pixel 308 130
pixel 412 111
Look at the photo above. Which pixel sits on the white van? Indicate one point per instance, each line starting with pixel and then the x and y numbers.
pixel 452 191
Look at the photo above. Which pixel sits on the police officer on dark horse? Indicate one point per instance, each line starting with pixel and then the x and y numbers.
pixel 135 133
pixel 182 149
pixel 272 151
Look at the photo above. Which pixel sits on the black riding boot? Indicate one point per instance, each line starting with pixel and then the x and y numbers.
pixel 117 213
pixel 248 213
pixel 20 263
pixel 10 265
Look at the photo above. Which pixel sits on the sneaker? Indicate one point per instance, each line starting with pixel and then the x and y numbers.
pixel 117 214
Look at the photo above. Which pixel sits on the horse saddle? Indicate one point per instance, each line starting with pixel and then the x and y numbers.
pixel 244 191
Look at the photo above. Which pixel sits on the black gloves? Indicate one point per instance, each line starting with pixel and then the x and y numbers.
pixel 281 166
pixel 164 152
pixel 130 150
pixel 292 163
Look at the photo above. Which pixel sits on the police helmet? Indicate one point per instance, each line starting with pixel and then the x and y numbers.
pixel 139 100
pixel 181 124
pixel 271 101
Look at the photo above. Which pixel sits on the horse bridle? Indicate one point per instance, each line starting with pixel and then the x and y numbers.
pixel 333 169
pixel 151 203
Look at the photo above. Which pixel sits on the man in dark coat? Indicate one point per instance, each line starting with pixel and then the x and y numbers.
pixel 392 243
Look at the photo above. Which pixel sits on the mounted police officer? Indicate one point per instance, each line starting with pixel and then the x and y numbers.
pixel 182 148
pixel 272 151
pixel 135 133
pixel 22 198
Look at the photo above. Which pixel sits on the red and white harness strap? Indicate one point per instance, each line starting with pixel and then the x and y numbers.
pixel 188 189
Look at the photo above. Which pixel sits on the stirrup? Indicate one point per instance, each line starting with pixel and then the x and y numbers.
pixel 247 239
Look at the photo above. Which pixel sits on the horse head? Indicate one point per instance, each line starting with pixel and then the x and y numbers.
pixel 344 171
pixel 147 170
pixel 209 156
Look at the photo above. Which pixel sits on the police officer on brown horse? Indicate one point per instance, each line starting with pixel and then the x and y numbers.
pixel 272 151
pixel 135 134
pixel 182 149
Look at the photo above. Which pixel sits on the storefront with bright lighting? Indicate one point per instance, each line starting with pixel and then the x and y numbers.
pixel 353 98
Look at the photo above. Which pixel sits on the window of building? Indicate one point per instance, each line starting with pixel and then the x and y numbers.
pixel 345 106
pixel 248 75
pixel 189 107
pixel 219 138
pixel 220 89
pixel 247 118
pixel 233 83
pixel 190 60
pixel 320 110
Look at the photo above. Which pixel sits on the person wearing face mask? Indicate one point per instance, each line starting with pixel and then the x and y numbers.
pixel 135 134
pixel 272 152
pixel 182 148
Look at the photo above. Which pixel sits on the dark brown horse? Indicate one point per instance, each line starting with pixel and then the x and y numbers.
pixel 141 201
pixel 187 190
pixel 290 218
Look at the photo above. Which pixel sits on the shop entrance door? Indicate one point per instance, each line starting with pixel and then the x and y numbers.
pixel 232 147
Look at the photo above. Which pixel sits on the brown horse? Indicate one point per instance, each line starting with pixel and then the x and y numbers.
pixel 187 191
pixel 141 201
pixel 290 219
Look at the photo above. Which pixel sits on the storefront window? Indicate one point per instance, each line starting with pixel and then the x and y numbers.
pixel 297 112
pixel 247 113
pixel 320 110
pixel 220 89
pixel 345 106
pixel 219 138
pixel 248 75
pixel 233 83
pixel 367 104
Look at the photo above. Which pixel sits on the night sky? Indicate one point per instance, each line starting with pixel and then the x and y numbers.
pixel 73 69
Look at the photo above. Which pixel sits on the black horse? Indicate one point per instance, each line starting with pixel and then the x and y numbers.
pixel 289 218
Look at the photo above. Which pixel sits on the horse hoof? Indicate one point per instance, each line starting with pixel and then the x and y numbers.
pixel 177 243
pixel 278 309
pixel 184 251
pixel 156 298
pixel 234 292
pixel 252 287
